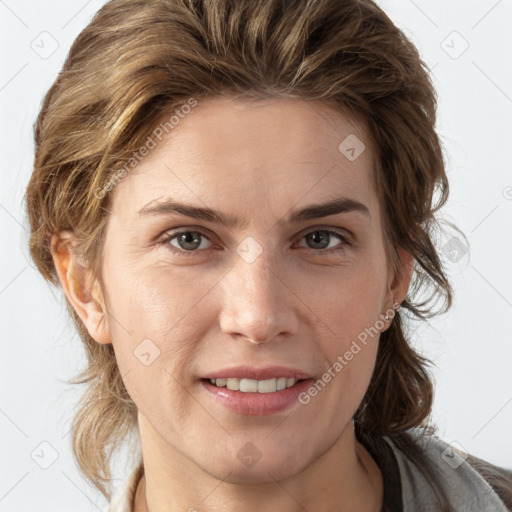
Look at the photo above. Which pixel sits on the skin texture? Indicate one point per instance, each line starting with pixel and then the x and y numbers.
pixel 210 309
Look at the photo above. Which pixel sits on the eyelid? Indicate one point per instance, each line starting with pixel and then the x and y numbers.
pixel 170 234
pixel 345 241
pixel 343 232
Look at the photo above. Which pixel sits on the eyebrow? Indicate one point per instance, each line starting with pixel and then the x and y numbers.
pixel 314 211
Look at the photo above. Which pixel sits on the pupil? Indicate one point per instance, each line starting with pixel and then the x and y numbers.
pixel 319 239
pixel 186 239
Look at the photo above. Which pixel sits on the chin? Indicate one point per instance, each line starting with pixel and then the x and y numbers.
pixel 258 474
pixel 248 466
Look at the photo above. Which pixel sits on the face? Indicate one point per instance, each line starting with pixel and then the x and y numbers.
pixel 190 296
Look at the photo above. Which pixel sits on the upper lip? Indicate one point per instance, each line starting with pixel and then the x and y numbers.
pixel 249 372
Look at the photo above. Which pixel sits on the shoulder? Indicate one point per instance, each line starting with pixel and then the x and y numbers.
pixel 469 483
pixel 500 479
pixel 123 501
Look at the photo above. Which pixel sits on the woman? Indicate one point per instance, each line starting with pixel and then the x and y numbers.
pixel 239 200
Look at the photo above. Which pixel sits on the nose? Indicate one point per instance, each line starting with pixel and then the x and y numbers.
pixel 257 304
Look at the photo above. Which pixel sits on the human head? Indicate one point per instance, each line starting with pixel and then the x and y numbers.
pixel 137 61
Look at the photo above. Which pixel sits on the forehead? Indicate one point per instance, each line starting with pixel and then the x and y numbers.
pixel 266 129
pixel 256 155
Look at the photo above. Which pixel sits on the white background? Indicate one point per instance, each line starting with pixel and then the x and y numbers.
pixel 471 345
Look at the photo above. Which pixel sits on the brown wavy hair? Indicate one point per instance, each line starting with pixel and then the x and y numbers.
pixel 137 60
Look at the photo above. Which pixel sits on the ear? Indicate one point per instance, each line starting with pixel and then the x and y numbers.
pixel 81 290
pixel 399 282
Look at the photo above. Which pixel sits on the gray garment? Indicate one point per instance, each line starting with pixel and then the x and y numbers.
pixel 467 490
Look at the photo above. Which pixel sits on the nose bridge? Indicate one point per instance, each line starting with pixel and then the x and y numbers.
pixel 256 303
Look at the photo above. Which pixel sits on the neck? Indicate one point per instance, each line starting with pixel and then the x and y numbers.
pixel 345 478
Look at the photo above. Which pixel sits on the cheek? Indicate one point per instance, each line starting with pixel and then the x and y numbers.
pixel 158 316
pixel 156 300
pixel 347 300
pixel 349 309
pixel 156 327
pixel 346 374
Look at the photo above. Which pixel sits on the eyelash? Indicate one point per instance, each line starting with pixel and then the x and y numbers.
pixel 321 252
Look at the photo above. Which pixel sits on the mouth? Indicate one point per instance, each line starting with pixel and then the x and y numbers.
pixel 255 386
pixel 250 397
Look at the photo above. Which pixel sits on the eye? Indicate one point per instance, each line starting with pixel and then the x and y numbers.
pixel 185 242
pixel 320 239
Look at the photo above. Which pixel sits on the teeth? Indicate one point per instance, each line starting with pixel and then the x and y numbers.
pixel 255 386
pixel 281 383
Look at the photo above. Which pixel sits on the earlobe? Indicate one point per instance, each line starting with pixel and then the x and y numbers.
pixel 398 285
pixel 82 292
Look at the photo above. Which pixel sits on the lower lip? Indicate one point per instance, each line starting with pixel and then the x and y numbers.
pixel 257 404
